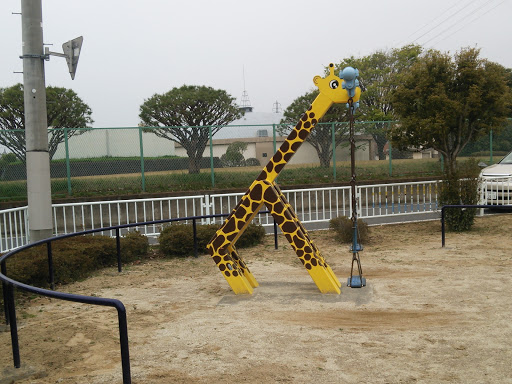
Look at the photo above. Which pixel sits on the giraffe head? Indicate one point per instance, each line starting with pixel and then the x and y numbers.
pixel 331 86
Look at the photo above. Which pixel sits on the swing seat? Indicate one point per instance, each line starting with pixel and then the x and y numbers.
pixel 358 247
pixel 356 282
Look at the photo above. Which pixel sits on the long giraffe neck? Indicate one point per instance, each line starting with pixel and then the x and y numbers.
pixel 297 136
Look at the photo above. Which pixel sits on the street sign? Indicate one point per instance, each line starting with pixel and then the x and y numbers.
pixel 72 53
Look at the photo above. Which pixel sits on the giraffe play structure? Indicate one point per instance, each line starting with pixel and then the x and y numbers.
pixel 264 191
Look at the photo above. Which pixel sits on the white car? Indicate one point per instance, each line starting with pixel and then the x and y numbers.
pixel 496 181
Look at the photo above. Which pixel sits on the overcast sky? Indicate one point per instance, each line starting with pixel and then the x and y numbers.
pixel 134 49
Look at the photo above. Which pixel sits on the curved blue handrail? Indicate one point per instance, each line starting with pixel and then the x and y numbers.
pixel 8 284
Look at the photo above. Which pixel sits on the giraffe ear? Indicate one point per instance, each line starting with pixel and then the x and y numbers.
pixel 316 79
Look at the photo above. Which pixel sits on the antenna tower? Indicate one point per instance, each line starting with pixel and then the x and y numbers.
pixel 246 103
pixel 276 107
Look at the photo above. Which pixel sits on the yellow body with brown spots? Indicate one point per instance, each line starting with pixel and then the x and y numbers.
pixel 265 191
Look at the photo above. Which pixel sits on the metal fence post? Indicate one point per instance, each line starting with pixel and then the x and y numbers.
pixel 333 152
pixel 51 270
pixel 118 250
pixel 141 146
pixel 196 246
pixel 4 291
pixel 390 160
pixel 123 340
pixel 68 165
pixel 211 155
pixel 205 210
pixel 141 151
pixel 274 134
pixel 491 160
pixel 274 137
pixel 276 244
pixel 443 233
pixel 14 326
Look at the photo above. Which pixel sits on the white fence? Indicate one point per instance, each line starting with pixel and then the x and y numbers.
pixel 76 217
pixel 314 205
pixel 13 228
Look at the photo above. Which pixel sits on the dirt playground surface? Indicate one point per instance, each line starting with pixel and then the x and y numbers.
pixel 427 314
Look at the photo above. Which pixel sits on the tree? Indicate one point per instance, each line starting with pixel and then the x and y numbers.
pixel 379 75
pixel 184 114
pixel 321 136
pixel 64 110
pixel 5 160
pixel 444 102
pixel 234 156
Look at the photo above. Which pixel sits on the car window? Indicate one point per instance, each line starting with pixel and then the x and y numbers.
pixel 507 159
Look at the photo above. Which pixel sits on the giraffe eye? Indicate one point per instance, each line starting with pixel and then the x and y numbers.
pixel 334 84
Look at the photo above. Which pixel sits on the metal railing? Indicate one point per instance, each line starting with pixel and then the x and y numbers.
pixel 13 228
pixel 8 284
pixel 314 205
pixel 397 199
pixel 310 205
pixel 74 217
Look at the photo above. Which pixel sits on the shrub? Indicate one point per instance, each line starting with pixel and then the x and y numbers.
pixel 252 162
pixel 204 235
pixel 460 188
pixel 134 246
pixel 234 155
pixel 178 239
pixel 342 228
pixel 74 258
pixel 253 235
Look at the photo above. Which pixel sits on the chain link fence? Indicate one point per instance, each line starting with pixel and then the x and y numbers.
pixel 491 148
pixel 120 161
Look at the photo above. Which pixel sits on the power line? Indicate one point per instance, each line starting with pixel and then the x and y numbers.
pixel 426 25
pixel 444 20
pixel 458 22
pixel 465 25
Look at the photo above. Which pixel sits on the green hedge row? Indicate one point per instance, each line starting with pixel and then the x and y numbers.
pixel 74 258
pixel 78 168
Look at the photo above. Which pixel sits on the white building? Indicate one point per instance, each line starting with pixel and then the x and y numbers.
pixel 115 142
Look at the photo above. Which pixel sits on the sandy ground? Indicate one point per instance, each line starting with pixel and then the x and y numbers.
pixel 427 314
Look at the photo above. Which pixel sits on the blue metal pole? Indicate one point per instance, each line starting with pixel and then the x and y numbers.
pixel 50 265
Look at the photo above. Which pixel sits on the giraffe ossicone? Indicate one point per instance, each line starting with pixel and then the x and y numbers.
pixel 264 191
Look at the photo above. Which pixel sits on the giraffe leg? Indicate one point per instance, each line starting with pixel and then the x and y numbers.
pixel 243 267
pixel 221 246
pixel 282 197
pixel 288 223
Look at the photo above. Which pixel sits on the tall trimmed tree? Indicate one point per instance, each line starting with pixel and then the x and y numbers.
pixel 185 115
pixel 64 110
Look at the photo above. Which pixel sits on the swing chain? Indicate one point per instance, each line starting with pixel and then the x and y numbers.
pixel 355 242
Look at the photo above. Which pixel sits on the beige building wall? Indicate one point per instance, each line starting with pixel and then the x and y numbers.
pixel 262 148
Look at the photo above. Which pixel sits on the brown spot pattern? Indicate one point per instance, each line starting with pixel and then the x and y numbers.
pixel 264 190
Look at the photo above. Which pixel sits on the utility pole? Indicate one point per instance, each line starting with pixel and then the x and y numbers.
pixel 36 127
